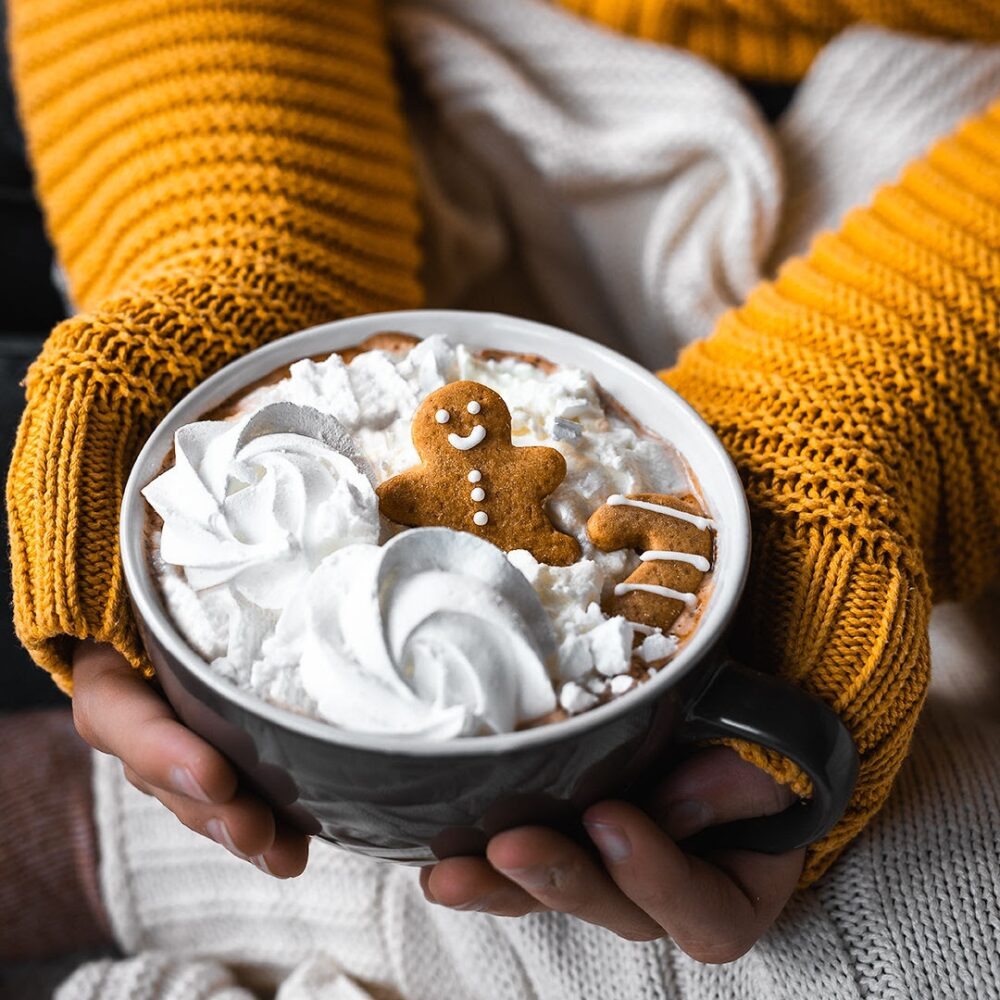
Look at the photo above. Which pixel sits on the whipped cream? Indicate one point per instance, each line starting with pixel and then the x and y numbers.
pixel 272 548
pixel 257 504
pixel 434 634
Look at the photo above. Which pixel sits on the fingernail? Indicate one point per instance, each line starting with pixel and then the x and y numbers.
pixel 534 877
pixel 687 817
pixel 259 861
pixel 219 832
pixel 611 841
pixel 186 783
pixel 480 905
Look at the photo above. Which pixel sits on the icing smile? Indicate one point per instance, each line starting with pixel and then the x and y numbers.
pixel 474 437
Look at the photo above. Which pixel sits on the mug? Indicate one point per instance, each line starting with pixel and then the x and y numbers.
pixel 416 801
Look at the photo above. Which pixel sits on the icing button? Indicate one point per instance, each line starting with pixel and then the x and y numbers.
pixel 478 494
pixel 480 517
pixel 475 475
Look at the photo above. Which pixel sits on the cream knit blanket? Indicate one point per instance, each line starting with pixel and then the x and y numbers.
pixel 632 193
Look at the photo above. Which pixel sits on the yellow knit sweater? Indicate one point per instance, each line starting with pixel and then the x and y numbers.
pixel 216 175
pixel 776 40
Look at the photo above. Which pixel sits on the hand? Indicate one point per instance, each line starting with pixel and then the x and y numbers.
pixel 715 908
pixel 117 712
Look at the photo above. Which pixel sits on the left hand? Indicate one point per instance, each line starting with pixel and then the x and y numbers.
pixel 714 908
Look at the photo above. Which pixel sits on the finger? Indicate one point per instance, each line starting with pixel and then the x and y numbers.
pixel 136 782
pixel 563 876
pixel 287 855
pixel 714 786
pixel 714 913
pixel 118 712
pixel 473 884
pixel 245 826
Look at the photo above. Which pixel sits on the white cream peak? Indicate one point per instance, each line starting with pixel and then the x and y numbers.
pixel 255 505
pixel 433 634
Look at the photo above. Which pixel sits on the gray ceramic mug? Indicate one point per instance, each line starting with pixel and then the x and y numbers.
pixel 413 800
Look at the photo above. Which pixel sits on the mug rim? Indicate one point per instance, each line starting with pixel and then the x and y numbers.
pixel 338 334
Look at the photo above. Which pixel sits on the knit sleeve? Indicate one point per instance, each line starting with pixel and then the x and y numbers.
pixel 859 395
pixel 776 40
pixel 213 175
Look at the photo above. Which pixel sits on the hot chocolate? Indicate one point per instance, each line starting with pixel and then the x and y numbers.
pixel 533 555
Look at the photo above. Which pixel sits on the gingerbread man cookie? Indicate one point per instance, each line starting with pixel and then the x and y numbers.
pixel 473 478
pixel 674 540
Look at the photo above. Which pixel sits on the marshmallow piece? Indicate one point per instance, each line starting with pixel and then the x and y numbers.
pixel 657 647
pixel 611 646
pixel 574 699
pixel 575 658
pixel 621 684
pixel 566 430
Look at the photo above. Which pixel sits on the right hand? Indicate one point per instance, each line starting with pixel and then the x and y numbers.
pixel 117 712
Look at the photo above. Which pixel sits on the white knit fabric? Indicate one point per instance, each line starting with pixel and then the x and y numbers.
pixel 636 185
pixel 632 193
pixel 911 911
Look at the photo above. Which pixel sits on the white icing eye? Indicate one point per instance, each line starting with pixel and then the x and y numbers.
pixel 473 407
pixel 475 475
pixel 478 494
pixel 442 416
pixel 480 517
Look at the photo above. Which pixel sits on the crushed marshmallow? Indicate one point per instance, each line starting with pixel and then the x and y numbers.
pixel 621 684
pixel 657 647
pixel 575 699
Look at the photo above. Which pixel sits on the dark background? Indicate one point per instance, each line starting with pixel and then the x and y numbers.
pixel 29 308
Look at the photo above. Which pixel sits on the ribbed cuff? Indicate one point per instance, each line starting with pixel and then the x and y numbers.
pixel 98 389
pixel 777 42
pixel 858 396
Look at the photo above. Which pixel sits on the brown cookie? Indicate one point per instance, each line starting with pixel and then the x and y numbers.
pixel 473 478
pixel 676 549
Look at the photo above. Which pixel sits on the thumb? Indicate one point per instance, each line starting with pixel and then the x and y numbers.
pixel 713 786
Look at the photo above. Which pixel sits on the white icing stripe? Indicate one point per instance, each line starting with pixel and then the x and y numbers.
pixel 474 437
pixel 617 500
pixel 656 555
pixel 645 629
pixel 624 588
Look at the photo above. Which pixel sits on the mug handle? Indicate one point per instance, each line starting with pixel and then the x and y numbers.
pixel 749 705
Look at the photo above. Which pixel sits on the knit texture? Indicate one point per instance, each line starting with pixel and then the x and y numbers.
pixel 49 897
pixel 848 392
pixel 859 395
pixel 678 220
pixel 214 175
pixel 911 911
pixel 776 40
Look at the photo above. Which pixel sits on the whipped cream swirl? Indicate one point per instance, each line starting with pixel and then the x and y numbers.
pixel 256 505
pixel 435 634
